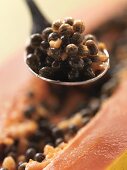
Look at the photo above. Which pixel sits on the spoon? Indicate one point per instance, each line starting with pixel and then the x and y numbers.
pixel 38 19
pixel 39 23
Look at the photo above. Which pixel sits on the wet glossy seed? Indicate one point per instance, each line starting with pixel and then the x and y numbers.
pixel 33 62
pixel 38 52
pixel 29 49
pixel 37 136
pixel 58 141
pixel 36 40
pixel 47 72
pixel 86 112
pixel 39 157
pixel 30 153
pixel 87 62
pixel 56 64
pixel 53 36
pixel 83 50
pixel 78 26
pixel 72 129
pixel 88 73
pixel 44 45
pixel 49 61
pixel 109 87
pixel 22 166
pixel 93 49
pixel 65 41
pixel 65 29
pixel 57 132
pixel 46 32
pixel 85 120
pixel 69 20
pixel 73 75
pixel 55 53
pixel 90 37
pixel 56 24
pixel 77 38
pixel 71 50
pixel 77 63
pixel 94 105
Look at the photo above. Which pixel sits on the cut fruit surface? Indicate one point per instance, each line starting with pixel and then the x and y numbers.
pixel 101 142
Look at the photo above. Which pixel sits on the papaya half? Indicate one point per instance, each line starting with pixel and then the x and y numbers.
pixel 100 144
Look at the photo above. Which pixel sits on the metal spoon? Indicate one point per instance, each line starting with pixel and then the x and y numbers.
pixel 39 23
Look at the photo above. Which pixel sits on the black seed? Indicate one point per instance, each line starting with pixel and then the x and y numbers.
pixel 36 40
pixel 57 132
pixel 44 45
pixel 77 38
pixel 46 32
pixel 83 50
pixel 39 52
pixel 56 64
pixel 93 49
pixel 78 26
pixel 58 141
pixel 69 21
pixel 33 62
pixel 73 129
pixel 85 120
pixel 39 157
pixel 56 24
pixel 86 112
pixel 44 125
pixel 22 166
pixel 33 144
pixel 90 37
pixel 53 36
pixel 37 136
pixel 71 50
pixel 55 53
pixel 49 141
pixel 49 61
pixel 73 75
pixel 94 105
pixel 109 87
pixel 28 112
pixel 47 72
pixel 77 63
pixel 88 73
pixel 87 62
pixel 29 49
pixel 30 153
pixel 65 41
pixel 65 29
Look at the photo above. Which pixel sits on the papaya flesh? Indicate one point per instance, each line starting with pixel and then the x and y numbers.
pixel 102 141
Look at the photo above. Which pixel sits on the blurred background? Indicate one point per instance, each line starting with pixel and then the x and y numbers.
pixel 16 21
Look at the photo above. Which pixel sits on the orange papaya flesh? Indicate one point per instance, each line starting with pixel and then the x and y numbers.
pixel 101 142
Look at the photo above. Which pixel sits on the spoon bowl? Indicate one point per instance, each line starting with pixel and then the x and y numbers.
pixel 86 82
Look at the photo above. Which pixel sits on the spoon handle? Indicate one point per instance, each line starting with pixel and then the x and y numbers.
pixel 39 20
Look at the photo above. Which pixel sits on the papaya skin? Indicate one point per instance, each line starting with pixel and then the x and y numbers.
pixel 102 141
pixel 120 163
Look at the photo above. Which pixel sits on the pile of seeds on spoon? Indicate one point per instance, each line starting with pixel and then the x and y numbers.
pixel 63 52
